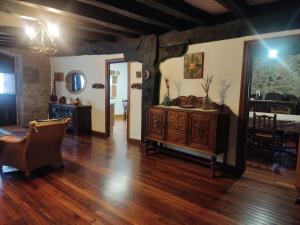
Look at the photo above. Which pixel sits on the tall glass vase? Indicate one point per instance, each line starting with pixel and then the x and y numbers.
pixel 205 103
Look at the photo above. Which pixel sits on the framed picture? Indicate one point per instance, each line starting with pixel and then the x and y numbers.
pixel 193 65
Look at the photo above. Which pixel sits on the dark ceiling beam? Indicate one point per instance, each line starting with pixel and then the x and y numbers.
pixel 286 20
pixel 11 31
pixel 93 14
pixel 274 7
pixel 239 8
pixel 67 34
pixel 181 10
pixel 133 10
pixel 21 10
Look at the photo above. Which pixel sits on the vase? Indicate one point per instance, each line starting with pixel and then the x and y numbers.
pixel 206 103
pixel 167 101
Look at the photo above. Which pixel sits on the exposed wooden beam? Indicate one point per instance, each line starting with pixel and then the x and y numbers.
pixel 239 8
pixel 264 24
pixel 134 10
pixel 181 10
pixel 28 13
pixel 93 14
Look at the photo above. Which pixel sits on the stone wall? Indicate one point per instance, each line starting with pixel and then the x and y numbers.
pixel 33 73
pixel 280 75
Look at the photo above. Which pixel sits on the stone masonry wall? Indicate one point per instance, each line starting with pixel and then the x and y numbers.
pixel 33 73
pixel 280 75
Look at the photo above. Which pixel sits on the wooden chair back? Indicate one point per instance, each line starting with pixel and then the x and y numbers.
pixel 264 122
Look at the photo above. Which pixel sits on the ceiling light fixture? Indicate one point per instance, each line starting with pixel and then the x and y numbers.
pixel 273 53
pixel 42 38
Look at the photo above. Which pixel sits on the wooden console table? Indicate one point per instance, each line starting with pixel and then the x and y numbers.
pixel 194 129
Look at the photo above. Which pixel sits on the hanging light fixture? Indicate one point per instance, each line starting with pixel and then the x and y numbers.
pixel 42 38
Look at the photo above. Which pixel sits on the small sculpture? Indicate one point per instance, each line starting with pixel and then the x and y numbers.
pixel 62 100
pixel 77 101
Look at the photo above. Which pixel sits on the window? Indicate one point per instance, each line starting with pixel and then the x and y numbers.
pixel 7 83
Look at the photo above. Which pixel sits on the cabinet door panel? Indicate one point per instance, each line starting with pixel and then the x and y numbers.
pixel 176 127
pixel 157 123
pixel 202 131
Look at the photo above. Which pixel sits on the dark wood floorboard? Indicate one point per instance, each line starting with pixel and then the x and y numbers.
pixel 111 182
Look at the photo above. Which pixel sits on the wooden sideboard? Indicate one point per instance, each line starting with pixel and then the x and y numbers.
pixel 80 116
pixel 194 129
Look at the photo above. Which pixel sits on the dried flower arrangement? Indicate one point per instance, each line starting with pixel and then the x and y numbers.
pixel 206 84
pixel 167 85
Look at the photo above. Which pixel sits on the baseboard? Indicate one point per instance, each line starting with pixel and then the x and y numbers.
pixel 99 134
pixel 134 141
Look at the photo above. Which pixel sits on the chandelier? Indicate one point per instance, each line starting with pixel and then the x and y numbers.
pixel 42 38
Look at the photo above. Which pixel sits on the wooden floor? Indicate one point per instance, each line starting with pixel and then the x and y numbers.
pixel 111 182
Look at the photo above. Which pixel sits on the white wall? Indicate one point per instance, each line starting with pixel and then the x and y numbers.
pixel 94 69
pixel 223 60
pixel 135 103
pixel 122 86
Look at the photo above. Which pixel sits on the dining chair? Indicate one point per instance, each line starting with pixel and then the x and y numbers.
pixel 264 134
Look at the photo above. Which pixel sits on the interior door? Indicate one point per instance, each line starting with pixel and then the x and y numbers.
pixel 8 115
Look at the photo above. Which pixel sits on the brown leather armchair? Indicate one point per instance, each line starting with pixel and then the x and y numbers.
pixel 41 146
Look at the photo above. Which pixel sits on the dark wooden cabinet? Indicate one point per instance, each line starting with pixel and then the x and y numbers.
pixel 197 130
pixel 80 116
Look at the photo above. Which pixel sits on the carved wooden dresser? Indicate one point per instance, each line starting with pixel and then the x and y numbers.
pixel 204 131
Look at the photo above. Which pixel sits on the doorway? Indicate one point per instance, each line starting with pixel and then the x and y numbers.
pixel 117 98
pixel 270 95
pixel 8 109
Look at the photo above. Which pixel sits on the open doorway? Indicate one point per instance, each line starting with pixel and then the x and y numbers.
pixel 8 109
pixel 269 108
pixel 117 98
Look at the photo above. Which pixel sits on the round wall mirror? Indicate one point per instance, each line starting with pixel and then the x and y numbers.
pixel 75 81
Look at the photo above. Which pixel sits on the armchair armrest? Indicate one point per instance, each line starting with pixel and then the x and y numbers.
pixel 12 139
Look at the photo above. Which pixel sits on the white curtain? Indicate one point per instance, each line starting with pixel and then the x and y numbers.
pixel 7 83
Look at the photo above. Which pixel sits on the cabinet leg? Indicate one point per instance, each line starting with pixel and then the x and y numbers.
pixel 213 166
pixel 146 144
